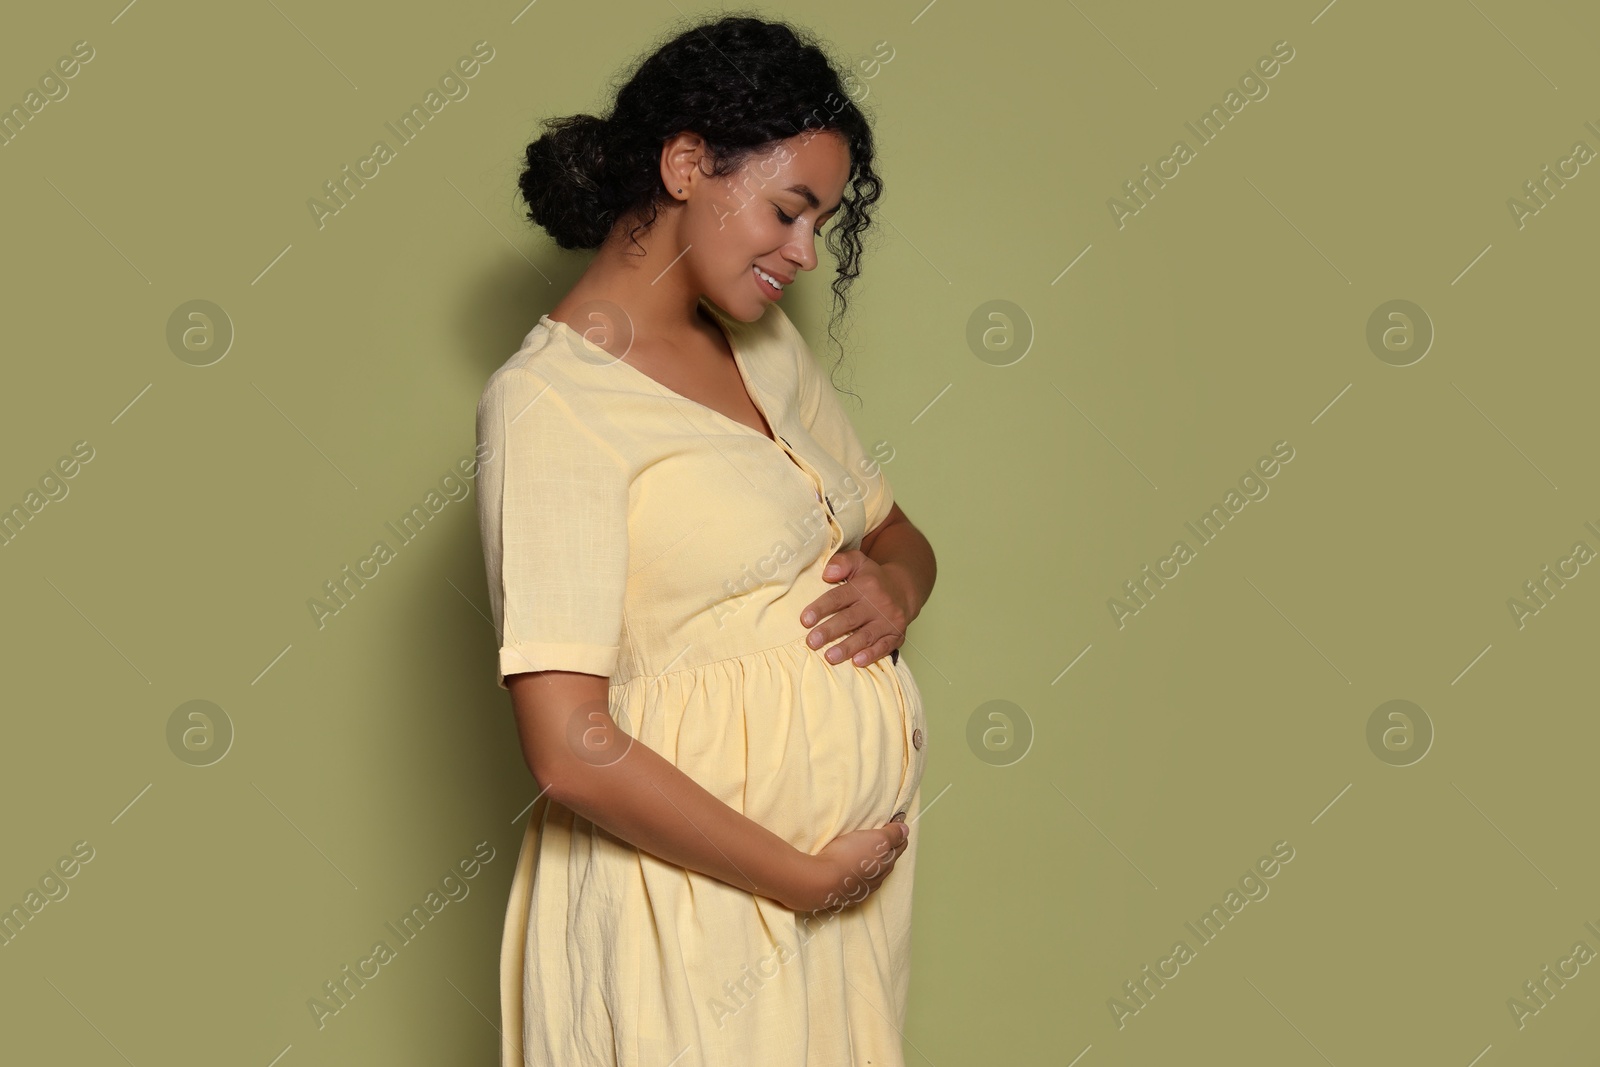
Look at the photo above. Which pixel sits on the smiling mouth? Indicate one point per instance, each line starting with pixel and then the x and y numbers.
pixel 773 291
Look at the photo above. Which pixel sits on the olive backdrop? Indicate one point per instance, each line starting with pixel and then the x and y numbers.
pixel 1237 359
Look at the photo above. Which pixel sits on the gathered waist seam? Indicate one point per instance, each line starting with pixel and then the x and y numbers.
pixel 894 657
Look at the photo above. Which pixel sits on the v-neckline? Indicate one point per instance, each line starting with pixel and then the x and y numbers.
pixel 738 363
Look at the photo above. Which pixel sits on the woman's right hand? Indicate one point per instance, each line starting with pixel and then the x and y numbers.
pixel 849 868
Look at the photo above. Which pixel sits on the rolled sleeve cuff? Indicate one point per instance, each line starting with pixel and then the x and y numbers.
pixel 583 659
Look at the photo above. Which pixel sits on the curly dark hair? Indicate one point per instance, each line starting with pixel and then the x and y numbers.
pixel 741 83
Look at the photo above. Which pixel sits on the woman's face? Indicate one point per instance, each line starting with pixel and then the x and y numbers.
pixel 766 215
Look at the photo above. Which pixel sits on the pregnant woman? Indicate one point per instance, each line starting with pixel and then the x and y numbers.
pixel 701 583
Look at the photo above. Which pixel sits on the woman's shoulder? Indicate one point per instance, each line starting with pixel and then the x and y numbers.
pixel 554 393
pixel 541 368
pixel 546 357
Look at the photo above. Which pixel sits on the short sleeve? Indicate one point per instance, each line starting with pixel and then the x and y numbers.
pixel 553 512
pixel 831 428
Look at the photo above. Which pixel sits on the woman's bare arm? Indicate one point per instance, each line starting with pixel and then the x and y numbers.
pixel 587 763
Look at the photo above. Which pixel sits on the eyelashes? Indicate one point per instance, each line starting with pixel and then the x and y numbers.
pixel 787 221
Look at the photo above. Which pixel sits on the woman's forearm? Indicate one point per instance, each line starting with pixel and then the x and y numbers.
pixel 905 554
pixel 647 801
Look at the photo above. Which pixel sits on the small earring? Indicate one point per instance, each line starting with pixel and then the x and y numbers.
pixel 680 190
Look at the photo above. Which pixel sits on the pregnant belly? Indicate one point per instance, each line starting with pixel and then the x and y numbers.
pixel 807 748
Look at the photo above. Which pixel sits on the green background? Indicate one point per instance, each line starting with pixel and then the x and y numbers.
pixel 1134 773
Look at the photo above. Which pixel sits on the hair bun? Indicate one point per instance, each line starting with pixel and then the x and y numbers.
pixel 564 181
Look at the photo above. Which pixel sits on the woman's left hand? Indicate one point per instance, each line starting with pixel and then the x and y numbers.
pixel 867 604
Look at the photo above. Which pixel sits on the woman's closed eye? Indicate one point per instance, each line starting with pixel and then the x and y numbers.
pixel 788 221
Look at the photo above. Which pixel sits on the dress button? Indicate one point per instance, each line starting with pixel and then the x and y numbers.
pixel 916 737
pixel 899 816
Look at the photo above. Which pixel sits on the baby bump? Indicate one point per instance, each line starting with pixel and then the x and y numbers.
pixel 807 748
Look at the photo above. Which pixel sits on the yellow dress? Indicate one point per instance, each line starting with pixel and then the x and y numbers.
pixel 632 533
